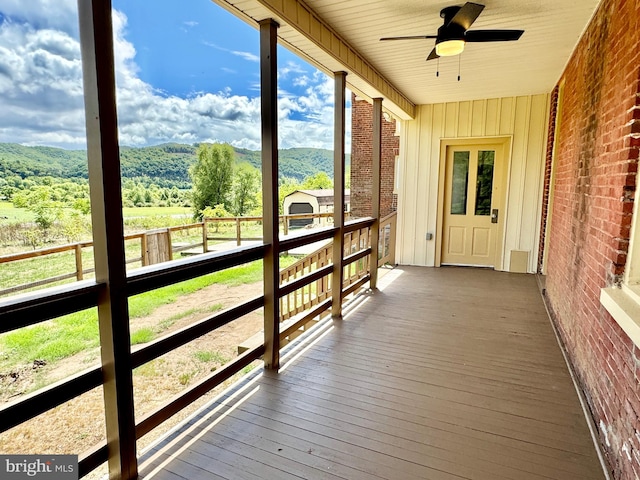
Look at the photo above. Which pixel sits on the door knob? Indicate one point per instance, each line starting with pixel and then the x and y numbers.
pixel 494 215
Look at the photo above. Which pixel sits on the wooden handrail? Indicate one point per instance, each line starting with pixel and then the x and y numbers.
pixel 305 288
pixel 171 341
pixel 184 399
pixel 305 280
pixel 44 251
pixel 162 274
pixel 316 235
pixel 32 405
pixel 29 309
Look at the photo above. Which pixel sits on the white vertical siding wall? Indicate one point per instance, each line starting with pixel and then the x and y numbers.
pixel 524 119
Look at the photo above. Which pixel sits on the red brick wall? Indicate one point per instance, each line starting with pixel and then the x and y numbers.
pixel 361 149
pixel 595 163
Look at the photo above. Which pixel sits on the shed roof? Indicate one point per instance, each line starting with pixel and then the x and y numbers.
pixel 325 197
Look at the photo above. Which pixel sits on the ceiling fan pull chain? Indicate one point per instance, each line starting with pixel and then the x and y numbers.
pixel 459 60
pixel 438 68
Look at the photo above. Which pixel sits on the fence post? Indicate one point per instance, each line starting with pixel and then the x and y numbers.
pixel 205 235
pixel 79 272
pixel 169 245
pixel 144 250
pixel 238 232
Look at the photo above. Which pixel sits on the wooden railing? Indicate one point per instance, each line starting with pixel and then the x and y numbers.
pixel 387 249
pixel 310 276
pixel 315 293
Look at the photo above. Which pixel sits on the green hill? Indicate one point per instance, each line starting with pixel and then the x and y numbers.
pixel 165 165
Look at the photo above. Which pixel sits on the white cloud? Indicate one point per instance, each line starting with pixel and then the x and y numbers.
pixel 291 68
pixel 250 57
pixel 301 81
pixel 42 98
pixel 54 14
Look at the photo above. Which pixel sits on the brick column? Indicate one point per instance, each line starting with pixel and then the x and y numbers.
pixel 361 148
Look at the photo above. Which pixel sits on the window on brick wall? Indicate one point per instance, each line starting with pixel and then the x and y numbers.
pixel 623 301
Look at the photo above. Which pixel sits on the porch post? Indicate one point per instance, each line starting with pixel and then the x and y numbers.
pixel 376 158
pixel 96 38
pixel 338 194
pixel 270 219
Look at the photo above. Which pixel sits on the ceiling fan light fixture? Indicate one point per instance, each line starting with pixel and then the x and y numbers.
pixel 449 48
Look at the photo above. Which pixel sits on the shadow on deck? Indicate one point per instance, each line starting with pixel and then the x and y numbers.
pixel 445 373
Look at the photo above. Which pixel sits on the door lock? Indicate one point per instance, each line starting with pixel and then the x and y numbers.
pixel 494 215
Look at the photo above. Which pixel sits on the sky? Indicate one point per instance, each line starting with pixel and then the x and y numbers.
pixel 186 72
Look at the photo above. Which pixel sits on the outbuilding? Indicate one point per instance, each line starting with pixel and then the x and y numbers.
pixel 310 201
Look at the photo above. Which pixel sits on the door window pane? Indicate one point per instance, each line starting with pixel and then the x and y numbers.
pixel 484 184
pixel 459 183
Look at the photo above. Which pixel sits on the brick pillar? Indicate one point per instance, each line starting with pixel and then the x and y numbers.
pixel 361 145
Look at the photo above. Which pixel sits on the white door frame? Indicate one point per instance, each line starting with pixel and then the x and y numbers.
pixel 505 142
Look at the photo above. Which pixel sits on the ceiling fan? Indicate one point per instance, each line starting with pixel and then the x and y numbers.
pixel 454 33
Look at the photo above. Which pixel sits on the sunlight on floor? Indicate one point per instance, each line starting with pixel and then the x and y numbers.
pixel 388 277
pixel 230 402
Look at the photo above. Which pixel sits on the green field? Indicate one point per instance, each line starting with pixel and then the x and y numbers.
pixel 133 212
pixel 10 214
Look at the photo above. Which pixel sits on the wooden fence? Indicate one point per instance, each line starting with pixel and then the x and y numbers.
pixel 156 246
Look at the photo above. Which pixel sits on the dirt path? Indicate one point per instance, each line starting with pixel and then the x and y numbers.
pixel 79 424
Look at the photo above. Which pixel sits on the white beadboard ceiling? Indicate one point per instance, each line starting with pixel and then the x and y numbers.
pixel 530 65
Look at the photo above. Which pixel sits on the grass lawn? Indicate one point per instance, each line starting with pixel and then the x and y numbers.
pixel 132 212
pixel 68 335
pixel 11 214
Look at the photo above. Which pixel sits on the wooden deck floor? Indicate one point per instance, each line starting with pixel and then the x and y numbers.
pixel 446 373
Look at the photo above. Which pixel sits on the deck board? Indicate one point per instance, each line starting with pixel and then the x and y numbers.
pixel 444 374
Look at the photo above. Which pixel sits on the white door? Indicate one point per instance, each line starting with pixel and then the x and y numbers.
pixel 472 206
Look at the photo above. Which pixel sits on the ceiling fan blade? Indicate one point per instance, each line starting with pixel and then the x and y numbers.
pixel 415 37
pixel 467 14
pixel 492 35
pixel 433 55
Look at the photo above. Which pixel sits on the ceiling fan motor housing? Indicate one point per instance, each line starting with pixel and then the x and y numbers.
pixel 448 13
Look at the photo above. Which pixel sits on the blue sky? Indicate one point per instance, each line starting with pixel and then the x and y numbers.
pixel 186 71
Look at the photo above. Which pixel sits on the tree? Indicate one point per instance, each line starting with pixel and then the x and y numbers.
pixel 317 181
pixel 38 200
pixel 246 183
pixel 212 177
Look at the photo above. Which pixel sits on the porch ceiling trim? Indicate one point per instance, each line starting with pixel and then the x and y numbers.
pixel 322 42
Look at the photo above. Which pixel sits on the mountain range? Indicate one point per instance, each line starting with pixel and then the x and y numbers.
pixel 165 165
